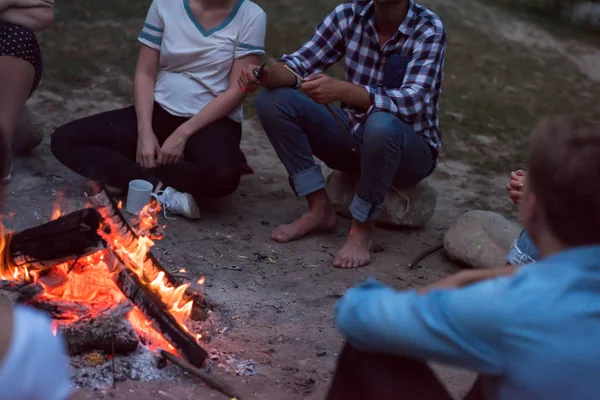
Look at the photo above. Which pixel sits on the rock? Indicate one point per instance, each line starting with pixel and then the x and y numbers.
pixel 29 133
pixel 480 239
pixel 397 211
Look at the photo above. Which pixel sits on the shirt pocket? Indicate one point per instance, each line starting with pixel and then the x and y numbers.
pixel 394 71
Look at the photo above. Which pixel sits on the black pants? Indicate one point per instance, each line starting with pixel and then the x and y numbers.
pixel 103 148
pixel 363 376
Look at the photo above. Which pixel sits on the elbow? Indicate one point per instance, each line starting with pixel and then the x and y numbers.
pixel 44 19
pixel 47 19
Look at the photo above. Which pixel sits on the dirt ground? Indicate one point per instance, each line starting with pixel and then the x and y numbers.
pixel 277 300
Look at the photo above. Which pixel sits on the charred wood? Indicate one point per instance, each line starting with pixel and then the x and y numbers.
pixel 109 332
pixel 155 310
pixel 152 267
pixel 62 240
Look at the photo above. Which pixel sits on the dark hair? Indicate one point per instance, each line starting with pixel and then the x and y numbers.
pixel 564 173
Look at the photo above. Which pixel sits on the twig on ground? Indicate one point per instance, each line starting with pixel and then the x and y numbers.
pixel 423 254
pixel 213 383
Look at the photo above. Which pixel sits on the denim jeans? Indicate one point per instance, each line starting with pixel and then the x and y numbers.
pixel 523 251
pixel 385 152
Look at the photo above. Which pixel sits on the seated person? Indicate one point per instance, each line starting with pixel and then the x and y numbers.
pixel 387 130
pixel 33 362
pixel 522 251
pixel 183 133
pixel 531 332
pixel 20 62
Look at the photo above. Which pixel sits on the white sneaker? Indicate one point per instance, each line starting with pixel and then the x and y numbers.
pixel 178 203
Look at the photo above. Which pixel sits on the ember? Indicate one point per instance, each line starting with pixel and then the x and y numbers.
pixel 98 268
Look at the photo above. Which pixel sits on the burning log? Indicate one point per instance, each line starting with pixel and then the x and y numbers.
pixel 63 240
pixel 109 332
pixel 155 310
pixel 152 268
pixel 60 310
pixel 23 292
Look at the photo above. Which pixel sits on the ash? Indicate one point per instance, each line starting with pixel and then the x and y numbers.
pixel 94 371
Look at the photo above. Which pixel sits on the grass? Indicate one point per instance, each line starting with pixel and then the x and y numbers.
pixel 494 90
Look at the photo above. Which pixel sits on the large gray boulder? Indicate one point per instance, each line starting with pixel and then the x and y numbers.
pixel 480 239
pixel 29 133
pixel 406 208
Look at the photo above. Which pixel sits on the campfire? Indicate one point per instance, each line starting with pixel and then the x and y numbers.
pixel 94 274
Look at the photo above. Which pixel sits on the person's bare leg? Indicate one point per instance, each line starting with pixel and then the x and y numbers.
pixel 355 252
pixel 319 217
pixel 16 78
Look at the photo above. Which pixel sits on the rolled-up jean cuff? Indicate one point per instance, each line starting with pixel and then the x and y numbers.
pixel 363 211
pixel 307 182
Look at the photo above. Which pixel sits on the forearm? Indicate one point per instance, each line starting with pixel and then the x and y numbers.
pixel 35 19
pixel 5 5
pixel 144 100
pixel 468 277
pixel 354 95
pixel 278 76
pixel 218 108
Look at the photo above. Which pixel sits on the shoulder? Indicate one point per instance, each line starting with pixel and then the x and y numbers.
pixel 249 11
pixel 427 22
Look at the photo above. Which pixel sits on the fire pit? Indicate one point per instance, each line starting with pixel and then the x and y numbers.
pixel 94 274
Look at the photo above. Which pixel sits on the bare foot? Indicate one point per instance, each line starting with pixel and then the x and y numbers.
pixel 311 221
pixel 355 252
pixel 319 217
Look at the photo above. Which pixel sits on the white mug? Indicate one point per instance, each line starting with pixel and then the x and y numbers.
pixel 138 196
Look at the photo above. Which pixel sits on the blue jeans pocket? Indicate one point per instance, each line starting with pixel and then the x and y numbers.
pixel 394 71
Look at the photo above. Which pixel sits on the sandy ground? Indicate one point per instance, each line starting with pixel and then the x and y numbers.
pixel 278 301
pixel 275 300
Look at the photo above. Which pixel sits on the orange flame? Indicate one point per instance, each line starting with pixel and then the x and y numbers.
pixel 56 211
pixel 90 282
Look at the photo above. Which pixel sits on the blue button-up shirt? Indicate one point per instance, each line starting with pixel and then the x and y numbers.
pixel 534 335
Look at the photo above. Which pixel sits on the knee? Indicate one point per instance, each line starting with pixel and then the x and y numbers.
pixel 383 130
pixel 270 102
pixel 59 141
pixel 227 180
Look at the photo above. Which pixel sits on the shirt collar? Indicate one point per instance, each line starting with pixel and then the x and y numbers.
pixel 365 10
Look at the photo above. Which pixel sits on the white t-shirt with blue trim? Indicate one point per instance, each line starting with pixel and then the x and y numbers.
pixel 195 64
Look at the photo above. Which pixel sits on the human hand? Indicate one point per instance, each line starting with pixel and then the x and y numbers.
pixel 31 3
pixel 147 149
pixel 321 88
pixel 516 186
pixel 247 81
pixel 172 149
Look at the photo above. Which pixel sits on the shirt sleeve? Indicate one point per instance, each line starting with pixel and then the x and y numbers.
pixel 152 32
pixel 252 36
pixel 41 357
pixel 461 327
pixel 423 74
pixel 324 49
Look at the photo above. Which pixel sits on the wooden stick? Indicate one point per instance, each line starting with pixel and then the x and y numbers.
pixel 198 373
pixel 423 254
pixel 333 113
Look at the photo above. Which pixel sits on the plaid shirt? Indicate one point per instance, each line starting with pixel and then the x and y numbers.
pixel 349 32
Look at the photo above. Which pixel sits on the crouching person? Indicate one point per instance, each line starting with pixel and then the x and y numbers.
pixel 386 133
pixel 531 332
